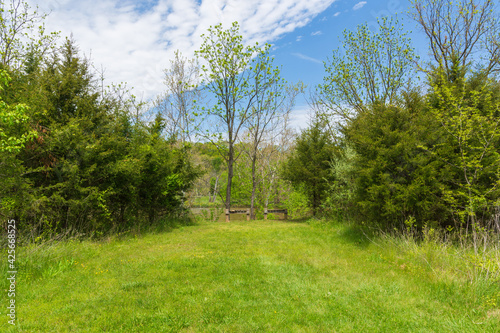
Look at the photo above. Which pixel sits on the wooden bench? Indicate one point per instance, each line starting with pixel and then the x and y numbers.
pixel 247 212
pixel 237 211
pixel 275 211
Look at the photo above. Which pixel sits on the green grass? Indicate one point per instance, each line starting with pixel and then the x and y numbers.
pixel 242 277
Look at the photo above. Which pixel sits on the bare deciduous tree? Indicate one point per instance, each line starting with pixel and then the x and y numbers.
pixel 271 111
pixel 376 66
pixel 182 94
pixel 460 29
pixel 22 32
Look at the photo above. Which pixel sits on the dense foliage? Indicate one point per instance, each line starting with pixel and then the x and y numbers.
pixel 91 168
pixel 430 154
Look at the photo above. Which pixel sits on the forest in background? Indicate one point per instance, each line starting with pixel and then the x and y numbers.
pixel 382 148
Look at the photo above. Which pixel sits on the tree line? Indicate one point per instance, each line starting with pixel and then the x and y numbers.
pixel 78 156
pixel 382 147
pixel 74 156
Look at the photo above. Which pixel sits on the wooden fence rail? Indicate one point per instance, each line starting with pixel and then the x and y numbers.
pixel 275 211
pixel 247 212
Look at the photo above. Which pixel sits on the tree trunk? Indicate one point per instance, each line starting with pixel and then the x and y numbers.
pixel 254 187
pixel 215 188
pixel 268 194
pixel 230 162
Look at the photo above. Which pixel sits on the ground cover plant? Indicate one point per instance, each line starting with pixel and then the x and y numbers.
pixel 245 277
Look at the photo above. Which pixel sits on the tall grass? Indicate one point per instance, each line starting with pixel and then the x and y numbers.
pixel 467 262
pixel 258 276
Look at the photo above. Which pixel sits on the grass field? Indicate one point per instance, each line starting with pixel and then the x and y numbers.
pixel 241 277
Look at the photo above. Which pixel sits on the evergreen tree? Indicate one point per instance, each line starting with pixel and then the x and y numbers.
pixel 90 168
pixel 308 167
pixel 395 180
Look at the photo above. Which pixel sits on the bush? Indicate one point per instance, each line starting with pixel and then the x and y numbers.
pixel 297 204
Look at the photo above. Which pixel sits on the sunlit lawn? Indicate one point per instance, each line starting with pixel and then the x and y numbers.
pixel 239 277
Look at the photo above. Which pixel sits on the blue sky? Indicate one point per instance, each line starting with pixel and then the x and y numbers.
pixel 302 52
pixel 134 40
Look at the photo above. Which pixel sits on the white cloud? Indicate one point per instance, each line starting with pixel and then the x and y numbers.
pixel 303 56
pixel 316 33
pixel 300 117
pixel 299 38
pixel 359 5
pixel 336 14
pixel 134 40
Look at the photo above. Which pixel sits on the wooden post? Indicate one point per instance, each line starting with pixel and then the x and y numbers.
pixel 286 214
pixel 265 213
pixel 227 215
pixel 248 214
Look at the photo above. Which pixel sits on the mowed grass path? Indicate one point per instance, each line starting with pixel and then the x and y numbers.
pixel 240 277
